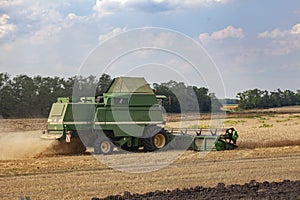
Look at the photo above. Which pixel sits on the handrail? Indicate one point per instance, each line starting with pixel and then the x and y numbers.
pixel 197 131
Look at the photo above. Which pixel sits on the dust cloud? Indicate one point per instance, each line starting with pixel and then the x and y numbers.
pixel 22 145
pixel 28 144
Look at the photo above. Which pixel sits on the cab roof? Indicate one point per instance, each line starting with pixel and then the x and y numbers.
pixel 129 85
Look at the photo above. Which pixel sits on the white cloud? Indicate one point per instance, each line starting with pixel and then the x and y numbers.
pixel 72 16
pixel 163 39
pixel 7 3
pixel 277 33
pixel 277 51
pixel 112 33
pixel 283 42
pixel 46 33
pixel 111 6
pixel 295 30
pixel 34 21
pixel 38 21
pixel 228 32
pixel 5 27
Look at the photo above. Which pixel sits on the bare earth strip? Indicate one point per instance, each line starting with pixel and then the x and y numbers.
pixel 83 177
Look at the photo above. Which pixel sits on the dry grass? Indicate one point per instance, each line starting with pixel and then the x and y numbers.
pixel 83 177
pixel 230 107
pixel 11 125
pixel 266 144
pixel 270 130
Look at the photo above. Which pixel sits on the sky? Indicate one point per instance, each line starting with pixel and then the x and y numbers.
pixel 251 43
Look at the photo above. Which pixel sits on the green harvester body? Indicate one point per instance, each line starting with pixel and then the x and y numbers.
pixel 123 114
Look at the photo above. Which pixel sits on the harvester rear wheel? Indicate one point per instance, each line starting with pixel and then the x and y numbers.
pixel 159 140
pixel 156 141
pixel 103 146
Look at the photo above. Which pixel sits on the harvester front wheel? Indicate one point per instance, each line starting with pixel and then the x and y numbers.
pixel 156 141
pixel 103 146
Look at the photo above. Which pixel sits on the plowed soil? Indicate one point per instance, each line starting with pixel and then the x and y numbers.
pixel 252 190
pixel 84 177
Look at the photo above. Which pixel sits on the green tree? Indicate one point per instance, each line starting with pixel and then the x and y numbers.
pixel 215 103
pixel 6 96
pixel 103 84
pixel 24 96
pixel 203 97
pixel 263 99
pixel 250 99
pixel 184 98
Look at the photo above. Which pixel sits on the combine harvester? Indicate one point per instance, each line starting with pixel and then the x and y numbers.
pixel 127 116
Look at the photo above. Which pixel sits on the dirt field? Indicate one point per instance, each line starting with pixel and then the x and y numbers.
pixel 252 190
pixel 83 177
pixel 269 151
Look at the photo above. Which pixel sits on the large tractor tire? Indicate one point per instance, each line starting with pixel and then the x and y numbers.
pixel 155 138
pixel 103 146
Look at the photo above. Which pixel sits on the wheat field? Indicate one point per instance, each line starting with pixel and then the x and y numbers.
pixel 255 131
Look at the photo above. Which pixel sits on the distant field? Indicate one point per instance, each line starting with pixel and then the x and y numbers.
pixel 284 109
pixel 229 107
pixel 274 127
pixel 9 125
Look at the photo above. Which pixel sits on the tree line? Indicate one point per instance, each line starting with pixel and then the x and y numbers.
pixel 24 96
pixel 256 98
pixel 182 98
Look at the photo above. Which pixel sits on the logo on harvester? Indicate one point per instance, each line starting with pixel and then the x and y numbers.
pixel 154 71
